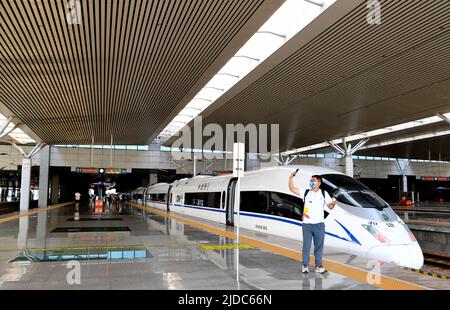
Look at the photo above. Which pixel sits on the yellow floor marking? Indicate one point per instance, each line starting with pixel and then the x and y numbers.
pixel 204 247
pixel 35 211
pixel 226 247
pixel 355 273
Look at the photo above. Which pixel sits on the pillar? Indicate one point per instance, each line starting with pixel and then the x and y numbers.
pixel 41 234
pixel 153 178
pixel 44 167
pixel 194 168
pixel 404 183
pixel 25 185
pixel 22 237
pixel 55 189
pixel 348 165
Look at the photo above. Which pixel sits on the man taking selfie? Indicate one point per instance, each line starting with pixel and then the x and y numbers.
pixel 315 200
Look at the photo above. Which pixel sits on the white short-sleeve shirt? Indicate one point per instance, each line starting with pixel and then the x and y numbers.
pixel 315 204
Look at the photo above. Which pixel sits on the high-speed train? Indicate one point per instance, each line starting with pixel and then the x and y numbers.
pixel 361 224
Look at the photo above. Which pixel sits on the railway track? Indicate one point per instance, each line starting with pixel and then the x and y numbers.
pixel 9 207
pixel 8 210
pixel 437 260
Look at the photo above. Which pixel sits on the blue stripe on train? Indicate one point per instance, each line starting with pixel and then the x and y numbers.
pixel 352 237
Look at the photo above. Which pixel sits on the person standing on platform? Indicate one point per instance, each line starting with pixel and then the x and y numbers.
pixel 315 200
pixel 77 197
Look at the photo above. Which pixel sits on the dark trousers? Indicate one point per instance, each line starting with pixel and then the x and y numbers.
pixel 314 232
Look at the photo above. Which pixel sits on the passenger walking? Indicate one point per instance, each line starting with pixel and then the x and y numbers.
pixel 315 199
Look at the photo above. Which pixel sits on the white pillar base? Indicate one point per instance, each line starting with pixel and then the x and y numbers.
pixel 348 165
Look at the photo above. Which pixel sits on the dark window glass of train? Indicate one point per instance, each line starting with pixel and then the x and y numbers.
pixel 215 200
pixel 255 202
pixel 210 200
pixel 162 197
pixel 286 206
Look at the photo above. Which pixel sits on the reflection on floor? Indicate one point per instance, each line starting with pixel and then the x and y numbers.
pixel 156 253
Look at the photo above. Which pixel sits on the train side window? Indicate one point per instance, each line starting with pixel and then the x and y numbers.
pixel 162 197
pixel 255 202
pixel 286 206
pixel 209 200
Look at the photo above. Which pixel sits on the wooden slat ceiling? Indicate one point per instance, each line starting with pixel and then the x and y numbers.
pixel 341 76
pixel 437 148
pixel 126 70
pixel 410 149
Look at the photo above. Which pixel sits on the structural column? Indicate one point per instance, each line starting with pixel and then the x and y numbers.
pixel 153 178
pixel 405 183
pixel 55 189
pixel 44 167
pixel 402 165
pixel 348 165
pixel 41 234
pixel 25 185
pixel 347 151
pixel 22 237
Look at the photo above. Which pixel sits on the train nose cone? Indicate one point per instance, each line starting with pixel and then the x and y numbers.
pixel 410 255
pixel 416 256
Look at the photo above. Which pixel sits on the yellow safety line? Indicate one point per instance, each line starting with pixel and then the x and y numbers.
pixel 225 247
pixel 18 216
pixel 434 275
pixel 355 273
pixel 207 247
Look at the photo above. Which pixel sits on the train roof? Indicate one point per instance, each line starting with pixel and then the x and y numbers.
pixel 306 169
pixel 303 169
pixel 159 185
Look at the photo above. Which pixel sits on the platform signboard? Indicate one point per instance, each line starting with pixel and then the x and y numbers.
pixel 438 179
pixel 101 170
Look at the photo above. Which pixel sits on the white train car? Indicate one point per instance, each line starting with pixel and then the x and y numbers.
pixel 138 195
pixel 201 196
pixel 362 223
pixel 156 196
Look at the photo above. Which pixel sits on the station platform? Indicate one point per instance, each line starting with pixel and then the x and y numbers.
pixel 433 207
pixel 136 247
pixel 440 219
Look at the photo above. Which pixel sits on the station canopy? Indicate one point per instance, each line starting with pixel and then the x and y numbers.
pixel 73 72
pixel 341 76
pixel 87 72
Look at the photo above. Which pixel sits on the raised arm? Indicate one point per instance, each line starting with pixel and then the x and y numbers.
pixel 331 202
pixel 292 188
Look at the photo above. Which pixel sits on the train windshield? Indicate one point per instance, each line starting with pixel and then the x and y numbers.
pixel 351 192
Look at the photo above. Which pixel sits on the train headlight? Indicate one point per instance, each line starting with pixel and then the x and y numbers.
pixel 411 235
pixel 374 232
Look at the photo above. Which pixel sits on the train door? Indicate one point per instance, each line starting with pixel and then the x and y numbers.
pixel 230 202
pixel 169 198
